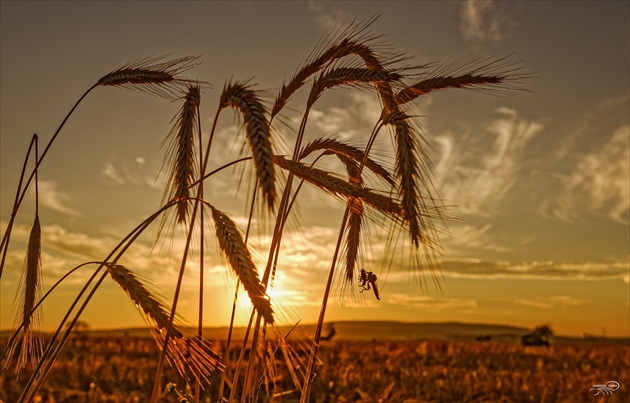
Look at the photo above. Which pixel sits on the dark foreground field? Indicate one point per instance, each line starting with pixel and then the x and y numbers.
pixel 109 369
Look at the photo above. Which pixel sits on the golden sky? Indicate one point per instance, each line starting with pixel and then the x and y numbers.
pixel 539 180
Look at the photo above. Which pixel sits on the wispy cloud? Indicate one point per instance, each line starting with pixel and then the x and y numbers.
pixel 475 172
pixel 552 302
pixel 478 238
pixel 135 173
pixel 111 173
pixel 559 270
pixel 51 197
pixel 327 15
pixel 481 20
pixel 599 182
pixel 473 268
pixel 429 304
pixel 357 115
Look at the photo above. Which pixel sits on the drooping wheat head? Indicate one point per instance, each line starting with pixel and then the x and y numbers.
pixel 339 188
pixel 340 148
pixel 180 154
pixel 240 260
pixel 242 97
pixel 189 357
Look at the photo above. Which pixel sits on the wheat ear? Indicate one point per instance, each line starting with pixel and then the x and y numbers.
pixel 339 188
pixel 180 153
pixel 353 236
pixel 350 76
pixel 141 296
pixel 485 75
pixel 28 292
pixel 350 41
pixel 337 147
pixel 236 251
pixel 240 96
pixel 152 75
pixel 407 173
pixel 189 357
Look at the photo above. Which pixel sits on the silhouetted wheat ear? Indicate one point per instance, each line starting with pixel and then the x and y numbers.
pixel 339 188
pixel 414 170
pixel 353 238
pixel 28 292
pixel 141 297
pixel 240 96
pixel 340 148
pixel 407 174
pixel 153 76
pixel 485 75
pixel 180 154
pixel 188 357
pixel 355 218
pixel 349 76
pixel 351 41
pixel 237 254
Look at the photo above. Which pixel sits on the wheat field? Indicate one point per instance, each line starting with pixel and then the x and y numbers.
pixel 398 199
pixel 113 369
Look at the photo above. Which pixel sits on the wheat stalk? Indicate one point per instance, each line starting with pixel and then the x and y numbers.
pixel 236 251
pixel 242 97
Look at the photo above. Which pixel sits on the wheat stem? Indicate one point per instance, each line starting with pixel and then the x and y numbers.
pixel 156 385
pixel 306 387
pixel 201 249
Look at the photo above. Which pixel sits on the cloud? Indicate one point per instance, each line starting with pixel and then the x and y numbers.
pixel 475 173
pixel 356 116
pixel 469 237
pixel 326 16
pixel 111 173
pixel 473 268
pixel 137 173
pixel 552 302
pixel 75 243
pixel 430 304
pixel 562 270
pixel 599 182
pixel 480 20
pixel 50 197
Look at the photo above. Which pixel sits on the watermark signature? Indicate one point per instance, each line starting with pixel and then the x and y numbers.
pixel 606 389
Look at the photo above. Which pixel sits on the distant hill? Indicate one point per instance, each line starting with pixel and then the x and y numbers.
pixel 352 330
pixel 368 331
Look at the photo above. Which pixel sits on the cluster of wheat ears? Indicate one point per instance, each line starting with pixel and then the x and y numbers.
pixel 403 201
